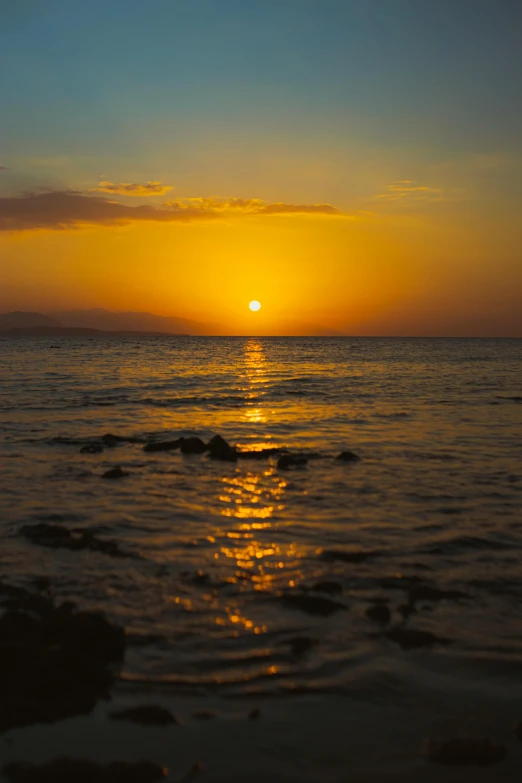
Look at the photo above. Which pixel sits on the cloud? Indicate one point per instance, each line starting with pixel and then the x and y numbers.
pixel 408 190
pixel 253 206
pixel 132 188
pixel 70 209
pixel 3 168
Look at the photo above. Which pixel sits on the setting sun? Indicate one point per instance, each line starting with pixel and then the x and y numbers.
pixel 255 305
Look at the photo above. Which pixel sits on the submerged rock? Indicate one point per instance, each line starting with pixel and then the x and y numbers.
pixel 312 604
pixel 92 448
pixel 329 587
pixel 58 537
pixel 114 473
pixel 380 613
pixel 254 714
pixel 219 449
pixel 165 445
pixel 111 440
pixel 146 715
pixel 54 662
pixel 67 770
pixel 260 453
pixel 192 446
pixel 360 556
pixel 348 456
pixel 464 750
pixel 300 645
pixel 413 639
pixel 292 461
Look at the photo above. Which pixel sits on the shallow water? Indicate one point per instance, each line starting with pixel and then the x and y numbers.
pixel 214 548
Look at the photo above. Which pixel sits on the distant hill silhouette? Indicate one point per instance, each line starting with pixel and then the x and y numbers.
pixel 21 320
pixel 99 318
pixel 77 331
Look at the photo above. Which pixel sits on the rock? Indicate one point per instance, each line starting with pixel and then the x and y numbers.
pixel 413 639
pixel 348 456
pixel 192 446
pixel 300 645
pixel 92 448
pixel 114 473
pixel 406 609
pixel 380 613
pixel 66 770
pixel 421 592
pixel 55 662
pixel 331 555
pixel 146 715
pixel 58 537
pixel 111 440
pixel 219 449
pixel 166 445
pixel 254 714
pixel 260 453
pixel 312 604
pixel 464 750
pixel 328 587
pixel 291 461
pixel 204 715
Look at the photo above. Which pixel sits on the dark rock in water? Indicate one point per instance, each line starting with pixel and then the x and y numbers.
pixel 146 714
pixel 464 750
pixel 114 473
pixel 219 449
pixel 260 453
pixel 413 639
pixel 331 555
pixel 519 731
pixel 328 587
pixel 111 440
pixel 192 446
pixel 312 604
pixel 166 445
pixel 300 645
pixel 406 609
pixel 58 537
pixel 92 448
pixel 348 456
pixel 380 613
pixel 204 715
pixel 54 662
pixel 291 461
pixel 254 714
pixel 67 770
pixel 420 592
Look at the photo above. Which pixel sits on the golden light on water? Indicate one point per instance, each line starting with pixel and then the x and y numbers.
pixel 255 305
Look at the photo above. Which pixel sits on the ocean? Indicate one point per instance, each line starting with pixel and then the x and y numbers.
pixel 244 581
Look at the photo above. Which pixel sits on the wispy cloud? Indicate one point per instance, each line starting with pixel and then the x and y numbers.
pixel 409 190
pixel 3 168
pixel 70 209
pixel 132 188
pixel 251 206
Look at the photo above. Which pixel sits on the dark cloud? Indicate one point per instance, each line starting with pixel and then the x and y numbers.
pixel 69 209
pixel 3 168
pixel 132 188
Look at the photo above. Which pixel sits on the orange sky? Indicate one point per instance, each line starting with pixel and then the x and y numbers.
pixel 350 180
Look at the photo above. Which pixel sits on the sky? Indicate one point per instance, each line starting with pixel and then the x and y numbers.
pixel 351 164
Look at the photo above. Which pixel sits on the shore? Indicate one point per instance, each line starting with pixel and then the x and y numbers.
pixel 294 739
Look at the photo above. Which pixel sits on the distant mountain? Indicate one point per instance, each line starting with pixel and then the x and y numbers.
pixel 77 331
pixel 21 320
pixel 134 321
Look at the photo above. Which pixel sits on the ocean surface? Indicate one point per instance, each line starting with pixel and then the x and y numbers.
pixel 219 563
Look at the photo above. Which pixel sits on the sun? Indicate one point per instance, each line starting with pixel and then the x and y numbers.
pixel 255 305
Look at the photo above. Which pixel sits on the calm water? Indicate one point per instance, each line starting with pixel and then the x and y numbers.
pixel 437 497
